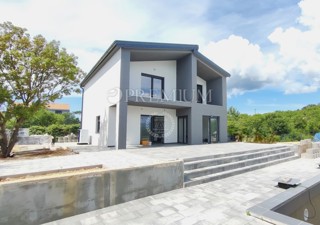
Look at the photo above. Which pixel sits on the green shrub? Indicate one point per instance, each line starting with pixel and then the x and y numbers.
pixel 73 128
pixel 37 130
pixel 57 130
pixel 60 130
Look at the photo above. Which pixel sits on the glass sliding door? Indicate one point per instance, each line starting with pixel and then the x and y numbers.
pixel 145 128
pixel 152 128
pixel 157 127
pixel 183 129
pixel 214 129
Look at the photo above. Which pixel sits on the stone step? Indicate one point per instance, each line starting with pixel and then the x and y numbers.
pixel 233 158
pixel 215 156
pixel 224 174
pixel 234 165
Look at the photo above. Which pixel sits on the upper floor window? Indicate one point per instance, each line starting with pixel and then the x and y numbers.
pixel 152 86
pixel 98 124
pixel 199 93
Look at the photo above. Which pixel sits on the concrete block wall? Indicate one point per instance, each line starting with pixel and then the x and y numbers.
pixel 311 153
pixel 308 149
pixel 45 200
pixel 35 140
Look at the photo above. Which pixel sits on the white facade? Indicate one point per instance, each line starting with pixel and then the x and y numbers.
pixel 106 83
pixel 117 113
pixel 165 69
pixel 133 125
pixel 98 95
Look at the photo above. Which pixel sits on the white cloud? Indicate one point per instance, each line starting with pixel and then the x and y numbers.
pixel 294 87
pixel 310 16
pixel 299 50
pixel 83 25
pixel 87 28
pixel 78 24
pixel 293 67
pixel 250 68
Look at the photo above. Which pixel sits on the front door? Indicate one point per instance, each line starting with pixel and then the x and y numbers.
pixel 157 127
pixel 183 129
pixel 152 128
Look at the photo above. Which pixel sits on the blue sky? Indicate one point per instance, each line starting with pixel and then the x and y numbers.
pixel 270 48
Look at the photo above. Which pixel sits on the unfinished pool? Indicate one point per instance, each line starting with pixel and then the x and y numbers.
pixel 299 205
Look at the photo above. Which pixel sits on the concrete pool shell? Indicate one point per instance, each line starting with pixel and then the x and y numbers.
pixel 296 206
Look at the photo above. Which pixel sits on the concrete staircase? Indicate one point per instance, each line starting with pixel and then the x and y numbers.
pixel 204 169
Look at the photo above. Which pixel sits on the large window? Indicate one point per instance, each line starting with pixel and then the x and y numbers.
pixel 152 86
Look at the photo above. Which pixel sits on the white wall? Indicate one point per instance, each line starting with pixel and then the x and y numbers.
pixel 166 69
pixel 111 136
pixel 204 89
pixel 98 97
pixel 133 123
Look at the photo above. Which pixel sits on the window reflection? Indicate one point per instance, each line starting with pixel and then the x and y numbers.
pixel 152 86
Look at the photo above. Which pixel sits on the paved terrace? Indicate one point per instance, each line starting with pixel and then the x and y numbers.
pixel 112 159
pixel 220 202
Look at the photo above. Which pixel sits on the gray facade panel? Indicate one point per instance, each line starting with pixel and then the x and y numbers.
pixel 122 106
pixel 184 78
pixel 215 88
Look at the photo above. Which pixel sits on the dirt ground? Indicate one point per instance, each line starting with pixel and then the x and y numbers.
pixel 45 153
pixel 50 175
pixel 40 153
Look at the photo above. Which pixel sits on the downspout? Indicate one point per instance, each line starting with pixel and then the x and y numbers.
pixel 81 113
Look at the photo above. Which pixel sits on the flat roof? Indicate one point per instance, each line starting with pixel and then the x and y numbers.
pixel 58 106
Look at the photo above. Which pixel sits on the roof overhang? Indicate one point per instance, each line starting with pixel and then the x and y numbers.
pixel 205 64
pixel 151 51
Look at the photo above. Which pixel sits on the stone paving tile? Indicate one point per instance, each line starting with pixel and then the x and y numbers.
pixel 113 159
pixel 167 212
pixel 220 202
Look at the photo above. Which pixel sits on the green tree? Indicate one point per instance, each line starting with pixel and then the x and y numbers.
pixel 37 130
pixel 33 72
pixel 277 123
pixel 44 118
pixel 232 111
pixel 70 118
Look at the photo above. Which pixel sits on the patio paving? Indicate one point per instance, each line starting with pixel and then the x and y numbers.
pixel 115 159
pixel 220 202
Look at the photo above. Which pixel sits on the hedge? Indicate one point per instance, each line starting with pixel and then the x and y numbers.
pixel 56 130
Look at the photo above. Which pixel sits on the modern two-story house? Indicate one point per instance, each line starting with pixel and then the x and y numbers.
pixel 142 92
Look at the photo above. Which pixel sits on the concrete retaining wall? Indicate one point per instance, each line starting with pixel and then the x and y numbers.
pixel 35 140
pixel 44 200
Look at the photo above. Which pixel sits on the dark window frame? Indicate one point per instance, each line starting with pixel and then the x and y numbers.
pixel 199 91
pixel 98 123
pixel 152 78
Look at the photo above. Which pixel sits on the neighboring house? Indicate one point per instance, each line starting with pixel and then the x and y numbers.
pixel 58 108
pixel 156 92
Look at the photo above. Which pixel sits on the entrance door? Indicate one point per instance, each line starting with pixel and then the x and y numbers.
pixel 157 127
pixel 183 129
pixel 152 128
pixel 214 129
